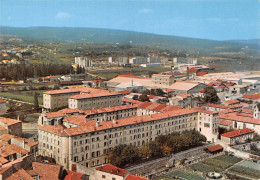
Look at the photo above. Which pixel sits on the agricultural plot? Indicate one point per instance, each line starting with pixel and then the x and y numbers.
pixel 185 174
pixel 245 171
pixel 27 96
pixel 222 162
pixel 204 168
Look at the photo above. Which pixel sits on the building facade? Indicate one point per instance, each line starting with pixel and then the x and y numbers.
pixel 89 144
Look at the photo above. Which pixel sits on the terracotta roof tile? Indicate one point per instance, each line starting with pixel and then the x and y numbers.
pixel 27 142
pixel 202 73
pixel 21 174
pixel 9 121
pixel 214 148
pixel 71 175
pixel 232 101
pixel 237 132
pixel 6 137
pixel 2 101
pixel 108 168
pixel 251 96
pixel 47 171
pixel 224 122
pixel 91 95
pixel 133 177
pixel 74 90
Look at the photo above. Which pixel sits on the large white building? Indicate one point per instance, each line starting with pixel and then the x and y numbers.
pixel 56 99
pixel 88 141
pixel 83 62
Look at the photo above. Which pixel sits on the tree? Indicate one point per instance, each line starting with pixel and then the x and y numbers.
pixel 36 102
pixel 210 95
pixel 144 98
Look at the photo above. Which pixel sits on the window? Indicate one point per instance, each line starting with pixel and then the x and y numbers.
pixel 113 178
pixel 103 176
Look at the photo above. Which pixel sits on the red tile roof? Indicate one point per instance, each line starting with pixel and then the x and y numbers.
pixel 234 116
pixel 237 132
pixel 77 119
pixel 90 126
pixel 71 175
pixel 202 73
pixel 169 90
pixel 158 107
pixel 109 109
pixel 193 70
pixel 27 142
pixel 217 106
pixel 47 171
pixel 161 75
pixel 133 177
pixel 183 95
pixel 224 122
pixel 21 174
pixel 232 101
pixel 2 101
pixel 214 148
pixel 9 121
pixel 6 137
pixel 202 90
pixel 75 90
pixel 62 113
pixel 3 161
pixel 131 101
pixel 91 95
pixel 108 168
pixel 125 92
pixel 251 96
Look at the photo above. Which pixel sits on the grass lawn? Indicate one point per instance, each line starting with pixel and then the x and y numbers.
pixel 27 96
pixel 185 174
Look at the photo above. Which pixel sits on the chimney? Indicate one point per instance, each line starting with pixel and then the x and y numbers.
pixel 18 117
pixel 187 72
pixel 97 124
pixel 114 121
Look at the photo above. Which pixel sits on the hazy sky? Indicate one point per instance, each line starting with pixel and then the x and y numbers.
pixel 210 19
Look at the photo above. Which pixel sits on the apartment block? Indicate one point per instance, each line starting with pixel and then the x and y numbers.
pixel 162 79
pixel 10 126
pixel 95 100
pixel 89 142
pixel 56 99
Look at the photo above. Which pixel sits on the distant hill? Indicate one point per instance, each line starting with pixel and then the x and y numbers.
pixel 249 42
pixel 111 36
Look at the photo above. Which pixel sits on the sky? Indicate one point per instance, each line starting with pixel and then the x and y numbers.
pixel 206 19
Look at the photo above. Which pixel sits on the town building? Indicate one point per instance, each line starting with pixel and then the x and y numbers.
pixel 83 62
pixel 237 136
pixel 184 100
pixel 56 99
pixel 159 79
pixel 95 100
pixel 89 142
pixel 10 126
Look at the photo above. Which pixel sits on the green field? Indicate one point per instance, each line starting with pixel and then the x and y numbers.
pixel 27 96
